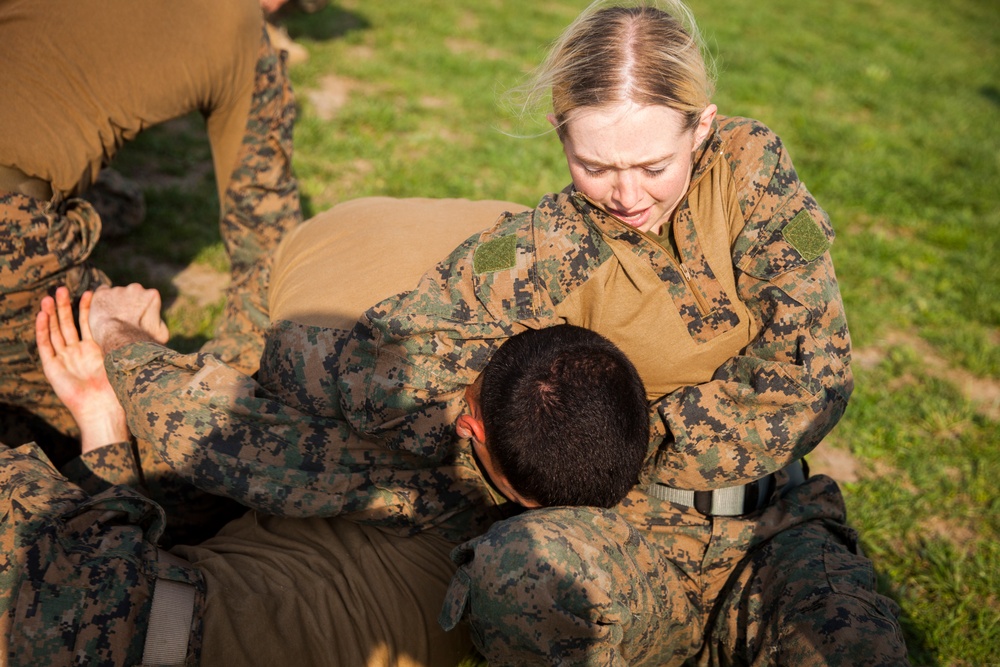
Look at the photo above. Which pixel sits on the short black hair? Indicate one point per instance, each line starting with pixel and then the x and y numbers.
pixel 566 417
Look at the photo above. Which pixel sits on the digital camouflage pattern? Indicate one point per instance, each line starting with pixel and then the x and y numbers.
pixel 397 380
pixel 47 244
pixel 655 584
pixel 402 372
pixel 260 206
pixel 42 245
pixel 571 586
pixel 361 424
pixel 772 399
pixel 77 572
pixel 278 443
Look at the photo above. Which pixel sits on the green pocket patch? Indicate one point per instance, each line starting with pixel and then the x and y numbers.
pixel 496 255
pixel 805 235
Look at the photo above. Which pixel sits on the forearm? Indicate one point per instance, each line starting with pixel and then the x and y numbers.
pixel 224 433
pixel 774 402
pixel 260 204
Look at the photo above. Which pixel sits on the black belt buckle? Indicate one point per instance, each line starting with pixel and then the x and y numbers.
pixel 755 495
pixel 703 502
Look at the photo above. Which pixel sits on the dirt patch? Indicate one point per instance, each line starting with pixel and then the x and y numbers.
pixel 868 357
pixel 196 283
pixel 331 96
pixel 892 475
pixel 834 462
pixel 959 535
pixel 468 22
pixel 983 393
pixel 429 102
pixel 361 52
pixel 204 286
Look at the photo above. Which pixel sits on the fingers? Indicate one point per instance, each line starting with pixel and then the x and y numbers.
pixel 53 333
pixel 121 315
pixel 85 299
pixel 42 334
pixel 64 312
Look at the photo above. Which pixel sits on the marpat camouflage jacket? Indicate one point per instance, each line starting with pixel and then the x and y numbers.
pixel 363 424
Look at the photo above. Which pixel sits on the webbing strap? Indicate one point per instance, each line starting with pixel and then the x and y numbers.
pixel 731 500
pixel 671 495
pixel 170 618
pixel 725 502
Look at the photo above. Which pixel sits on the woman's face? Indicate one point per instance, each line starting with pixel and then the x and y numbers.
pixel 634 161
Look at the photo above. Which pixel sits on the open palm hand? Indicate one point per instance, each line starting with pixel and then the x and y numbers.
pixel 74 365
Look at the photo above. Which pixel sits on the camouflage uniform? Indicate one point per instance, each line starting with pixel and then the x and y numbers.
pixel 750 372
pixel 768 310
pixel 44 244
pixel 278 443
pixel 80 572
pixel 653 583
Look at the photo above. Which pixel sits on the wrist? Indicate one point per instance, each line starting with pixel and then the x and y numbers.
pixel 103 423
pixel 117 334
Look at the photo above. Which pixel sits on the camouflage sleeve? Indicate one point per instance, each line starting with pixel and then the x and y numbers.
pixel 221 431
pixel 788 388
pixel 407 362
pixel 100 469
pixel 259 205
pixel 285 453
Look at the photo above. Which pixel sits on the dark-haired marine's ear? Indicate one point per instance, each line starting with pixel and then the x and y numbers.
pixel 470 426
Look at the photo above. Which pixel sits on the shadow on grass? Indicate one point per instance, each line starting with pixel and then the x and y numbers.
pixel 919 652
pixel 328 23
pixel 991 93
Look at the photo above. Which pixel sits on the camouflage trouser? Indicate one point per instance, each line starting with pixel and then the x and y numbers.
pixel 77 573
pixel 42 245
pixel 651 583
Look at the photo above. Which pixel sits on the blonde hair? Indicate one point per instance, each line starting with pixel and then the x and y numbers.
pixel 647 52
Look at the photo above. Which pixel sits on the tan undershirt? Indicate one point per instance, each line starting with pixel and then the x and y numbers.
pixel 322 271
pixel 82 77
pixel 329 591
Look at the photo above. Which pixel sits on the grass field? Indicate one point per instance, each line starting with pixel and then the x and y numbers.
pixel 891 112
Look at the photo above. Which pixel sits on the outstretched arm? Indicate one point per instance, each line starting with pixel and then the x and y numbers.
pixel 73 364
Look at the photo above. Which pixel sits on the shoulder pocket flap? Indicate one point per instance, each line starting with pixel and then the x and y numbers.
pixel 788 244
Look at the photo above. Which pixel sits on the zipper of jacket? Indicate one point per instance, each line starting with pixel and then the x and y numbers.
pixel 698 296
pixel 685 272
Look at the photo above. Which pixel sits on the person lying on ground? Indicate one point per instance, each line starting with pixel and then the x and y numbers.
pixel 296 428
pixel 271 590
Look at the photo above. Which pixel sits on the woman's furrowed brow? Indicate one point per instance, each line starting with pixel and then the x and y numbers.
pixel 600 164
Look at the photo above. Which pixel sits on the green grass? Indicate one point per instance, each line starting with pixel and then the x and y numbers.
pixel 891 112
